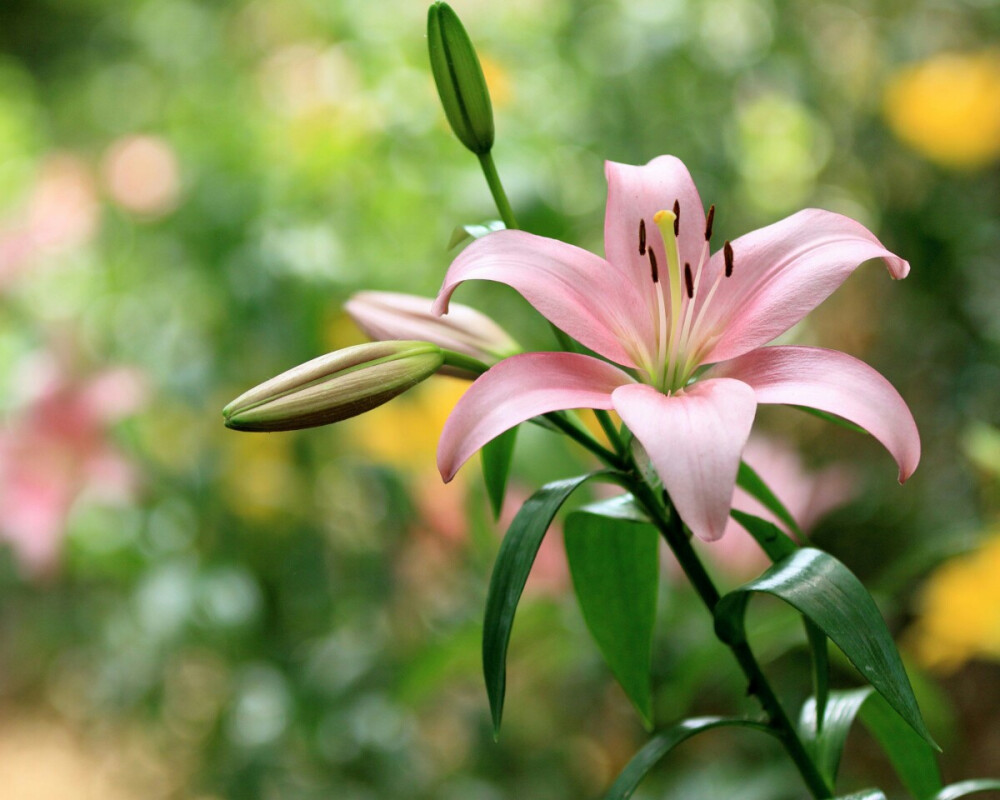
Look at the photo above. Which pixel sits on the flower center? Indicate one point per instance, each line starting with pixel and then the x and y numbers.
pixel 681 338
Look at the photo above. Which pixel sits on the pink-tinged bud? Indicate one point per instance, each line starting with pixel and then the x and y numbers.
pixel 334 387
pixel 390 315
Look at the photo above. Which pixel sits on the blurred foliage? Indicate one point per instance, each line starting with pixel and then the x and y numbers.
pixel 188 193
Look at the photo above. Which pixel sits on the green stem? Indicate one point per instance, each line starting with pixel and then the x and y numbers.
pixel 496 188
pixel 507 215
pixel 464 362
pixel 581 436
pixel 672 529
pixel 611 431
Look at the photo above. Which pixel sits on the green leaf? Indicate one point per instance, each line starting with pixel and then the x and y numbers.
pixel 496 456
pixel 864 794
pixel 828 739
pixel 823 589
pixel 510 572
pixel 828 417
pixel 751 483
pixel 623 507
pixel 911 757
pixel 820 658
pixel 774 541
pixel 614 564
pixel 465 232
pixel 665 741
pixel 965 788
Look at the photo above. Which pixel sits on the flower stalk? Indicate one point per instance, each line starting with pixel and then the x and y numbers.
pixel 671 528
pixel 497 190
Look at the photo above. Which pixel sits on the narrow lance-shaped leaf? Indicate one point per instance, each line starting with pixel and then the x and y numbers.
pixel 751 483
pixel 912 758
pixel 828 739
pixel 823 589
pixel 464 233
pixel 864 794
pixel 773 541
pixel 614 564
pixel 777 545
pixel 965 788
pixel 510 572
pixel 665 741
pixel 496 457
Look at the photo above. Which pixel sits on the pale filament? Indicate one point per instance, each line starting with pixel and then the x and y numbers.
pixel 675 337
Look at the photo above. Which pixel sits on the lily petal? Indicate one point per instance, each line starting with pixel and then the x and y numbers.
pixel 580 293
pixel 637 193
pixel 834 382
pixel 782 272
pixel 392 315
pixel 694 439
pixel 517 389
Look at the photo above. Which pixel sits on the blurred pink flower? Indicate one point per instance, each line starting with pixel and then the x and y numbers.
pixel 441 509
pixel 56 446
pixel 143 175
pixel 61 212
pixel 807 496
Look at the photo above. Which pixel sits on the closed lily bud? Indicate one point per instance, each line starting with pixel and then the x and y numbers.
pixel 392 315
pixel 459 78
pixel 334 387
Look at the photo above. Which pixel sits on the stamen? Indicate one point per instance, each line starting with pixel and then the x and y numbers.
pixel 688 280
pixel 727 253
pixel 642 237
pixel 709 221
pixel 652 266
pixel 677 217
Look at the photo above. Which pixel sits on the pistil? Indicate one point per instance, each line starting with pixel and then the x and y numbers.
pixel 669 225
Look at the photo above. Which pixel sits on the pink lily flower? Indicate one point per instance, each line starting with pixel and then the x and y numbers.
pixel 662 306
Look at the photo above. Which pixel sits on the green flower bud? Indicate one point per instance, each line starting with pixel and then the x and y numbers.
pixel 459 78
pixel 333 387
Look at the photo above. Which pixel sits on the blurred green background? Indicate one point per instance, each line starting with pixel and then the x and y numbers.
pixel 188 193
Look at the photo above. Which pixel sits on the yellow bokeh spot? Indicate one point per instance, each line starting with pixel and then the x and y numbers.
pixel 175 436
pixel 340 331
pixel 497 81
pixel 960 611
pixel 258 476
pixel 404 433
pixel 948 108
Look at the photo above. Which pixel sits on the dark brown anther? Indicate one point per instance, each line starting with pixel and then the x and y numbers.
pixel 677 217
pixel 727 252
pixel 652 266
pixel 642 237
pixel 708 222
pixel 688 280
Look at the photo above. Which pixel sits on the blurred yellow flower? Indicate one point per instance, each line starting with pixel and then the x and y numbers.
pixel 404 433
pixel 497 80
pixel 258 476
pixel 948 108
pixel 960 611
